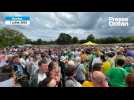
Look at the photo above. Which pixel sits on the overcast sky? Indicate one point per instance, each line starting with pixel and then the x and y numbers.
pixel 48 25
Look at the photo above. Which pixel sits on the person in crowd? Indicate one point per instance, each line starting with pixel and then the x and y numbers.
pixel 119 55
pixel 91 56
pixel 129 64
pixel 117 74
pixel 77 60
pixel 35 64
pixel 89 81
pixel 62 64
pixel 111 58
pixel 22 60
pixel 31 64
pixel 83 56
pixel 9 59
pixel 97 59
pixel 70 80
pixel 105 64
pixel 2 60
pixel 40 74
pixel 7 77
pixel 53 79
pixel 130 80
pixel 99 79
pixel 97 67
pixel 67 66
pixel 21 71
pixel 76 52
pixel 17 66
pixel 80 73
pixel 48 82
pixel 55 72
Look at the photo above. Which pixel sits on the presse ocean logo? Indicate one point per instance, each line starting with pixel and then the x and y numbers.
pixel 117 21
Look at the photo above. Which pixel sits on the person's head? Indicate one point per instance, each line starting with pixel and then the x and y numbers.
pixel 8 70
pixel 82 52
pixel 70 70
pixel 99 79
pixel 119 53
pixel 20 55
pixel 43 66
pixel 48 82
pixel 9 58
pixel 16 59
pixel 2 57
pixel 71 63
pixel 120 62
pixel 98 54
pixel 77 60
pixel 130 80
pixel 53 65
pixel 62 58
pixel 35 58
pixel 129 60
pixel 103 58
pixel 54 70
pixel 97 67
pixel 111 54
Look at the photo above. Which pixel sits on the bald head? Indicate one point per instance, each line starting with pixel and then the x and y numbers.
pixel 98 76
pixel 99 79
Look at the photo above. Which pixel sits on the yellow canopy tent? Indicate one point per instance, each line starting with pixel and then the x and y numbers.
pixel 89 43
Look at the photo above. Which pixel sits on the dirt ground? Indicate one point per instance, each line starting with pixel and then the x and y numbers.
pixel 128 45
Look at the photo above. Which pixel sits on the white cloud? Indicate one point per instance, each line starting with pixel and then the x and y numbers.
pixel 48 25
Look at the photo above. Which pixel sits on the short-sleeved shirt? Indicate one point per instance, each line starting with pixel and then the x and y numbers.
pixel 106 66
pixel 88 84
pixel 129 67
pixel 117 77
pixel 72 83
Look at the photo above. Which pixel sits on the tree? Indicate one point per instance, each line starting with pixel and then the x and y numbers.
pixel 9 37
pixel 39 41
pixel 64 39
pixel 91 38
pixel 75 40
pixel 28 41
pixel 82 41
pixel 130 39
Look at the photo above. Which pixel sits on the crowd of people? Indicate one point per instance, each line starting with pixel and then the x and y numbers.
pixel 66 67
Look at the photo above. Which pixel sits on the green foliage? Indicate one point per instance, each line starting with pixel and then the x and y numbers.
pixel 91 38
pixel 75 40
pixel 9 37
pixel 82 41
pixel 39 41
pixel 64 39
pixel 28 41
pixel 67 39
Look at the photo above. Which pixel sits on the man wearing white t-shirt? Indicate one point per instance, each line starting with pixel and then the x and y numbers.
pixel 96 60
pixel 40 74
